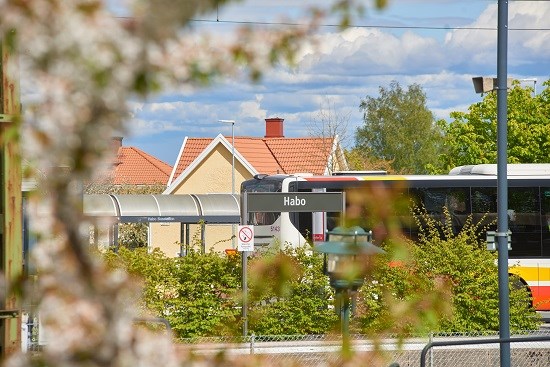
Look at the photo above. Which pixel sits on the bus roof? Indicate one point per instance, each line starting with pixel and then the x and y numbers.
pixel 529 169
pixel 469 172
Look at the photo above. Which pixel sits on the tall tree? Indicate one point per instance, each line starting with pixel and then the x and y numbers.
pixel 471 136
pixel 399 127
pixel 332 126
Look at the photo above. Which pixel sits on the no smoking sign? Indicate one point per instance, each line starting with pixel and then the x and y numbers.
pixel 245 236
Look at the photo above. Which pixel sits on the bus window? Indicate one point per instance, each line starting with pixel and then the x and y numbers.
pixel 484 207
pixel 484 200
pixel 262 219
pixel 524 221
pixel 435 199
pixel 432 199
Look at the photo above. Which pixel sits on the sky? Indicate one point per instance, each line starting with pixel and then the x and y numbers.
pixel 438 44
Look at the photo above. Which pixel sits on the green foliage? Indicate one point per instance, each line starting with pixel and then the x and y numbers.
pixel 290 294
pixel 399 300
pixel 195 293
pixel 471 137
pixel 439 258
pixel 444 281
pixel 397 123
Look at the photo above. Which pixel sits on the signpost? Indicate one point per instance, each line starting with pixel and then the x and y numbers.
pixel 272 202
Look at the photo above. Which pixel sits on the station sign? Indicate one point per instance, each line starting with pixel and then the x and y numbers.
pixel 295 202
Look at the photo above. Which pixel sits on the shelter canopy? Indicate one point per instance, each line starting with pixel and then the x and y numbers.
pixel 186 208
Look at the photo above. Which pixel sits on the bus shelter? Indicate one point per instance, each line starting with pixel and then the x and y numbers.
pixel 149 208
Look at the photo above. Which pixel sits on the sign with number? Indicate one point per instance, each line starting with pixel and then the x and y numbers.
pixel 245 237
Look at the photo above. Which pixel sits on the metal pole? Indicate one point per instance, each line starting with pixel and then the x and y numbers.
pixel 233 157
pixel 502 182
pixel 244 263
pixel 233 176
pixel 232 122
pixel 345 313
pixel 245 292
pixel 182 234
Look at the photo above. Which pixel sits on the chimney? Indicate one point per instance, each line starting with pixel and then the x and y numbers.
pixel 116 144
pixel 274 127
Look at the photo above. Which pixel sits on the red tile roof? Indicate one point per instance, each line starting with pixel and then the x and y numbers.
pixel 135 167
pixel 193 147
pixel 268 155
pixel 301 154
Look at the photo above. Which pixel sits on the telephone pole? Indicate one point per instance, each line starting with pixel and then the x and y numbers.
pixel 11 231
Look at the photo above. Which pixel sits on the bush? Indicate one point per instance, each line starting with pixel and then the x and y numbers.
pixel 195 293
pixel 442 264
pixel 289 293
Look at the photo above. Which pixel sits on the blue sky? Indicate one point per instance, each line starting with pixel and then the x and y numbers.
pixel 439 44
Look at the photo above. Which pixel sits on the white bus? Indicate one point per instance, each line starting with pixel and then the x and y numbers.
pixel 472 190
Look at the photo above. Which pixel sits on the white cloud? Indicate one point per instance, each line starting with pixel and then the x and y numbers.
pixel 351 65
pixel 252 109
pixel 478 46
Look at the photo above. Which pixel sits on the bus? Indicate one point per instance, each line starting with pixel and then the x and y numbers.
pixel 466 191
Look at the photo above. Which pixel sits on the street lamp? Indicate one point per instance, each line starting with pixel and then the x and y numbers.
pixel 344 267
pixel 232 122
pixel 502 180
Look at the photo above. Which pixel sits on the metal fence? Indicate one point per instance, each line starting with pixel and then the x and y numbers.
pixel 326 350
pixel 438 349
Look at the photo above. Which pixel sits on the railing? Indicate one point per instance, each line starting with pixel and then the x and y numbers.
pixel 530 358
pixel 528 349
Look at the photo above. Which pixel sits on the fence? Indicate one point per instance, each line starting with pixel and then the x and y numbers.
pixel 434 350
pixel 474 349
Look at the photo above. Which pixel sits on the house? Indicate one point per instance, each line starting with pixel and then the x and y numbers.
pixel 205 165
pixel 132 166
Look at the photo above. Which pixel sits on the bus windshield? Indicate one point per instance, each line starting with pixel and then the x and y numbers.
pixel 262 185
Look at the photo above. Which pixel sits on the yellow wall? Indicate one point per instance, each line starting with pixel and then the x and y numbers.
pixel 212 175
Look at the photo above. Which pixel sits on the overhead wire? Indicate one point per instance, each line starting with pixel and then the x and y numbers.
pixel 377 26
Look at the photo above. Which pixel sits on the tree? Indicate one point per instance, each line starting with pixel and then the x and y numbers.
pixel 470 138
pixel 359 161
pixel 398 127
pixel 85 66
pixel 331 126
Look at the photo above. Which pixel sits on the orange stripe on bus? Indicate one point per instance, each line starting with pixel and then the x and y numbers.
pixel 541 298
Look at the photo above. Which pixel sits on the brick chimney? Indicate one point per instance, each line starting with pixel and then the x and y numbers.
pixel 274 127
pixel 116 143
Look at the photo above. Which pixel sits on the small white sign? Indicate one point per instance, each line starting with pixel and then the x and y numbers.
pixel 245 237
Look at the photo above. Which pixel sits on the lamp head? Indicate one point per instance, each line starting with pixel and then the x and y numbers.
pixel 341 252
